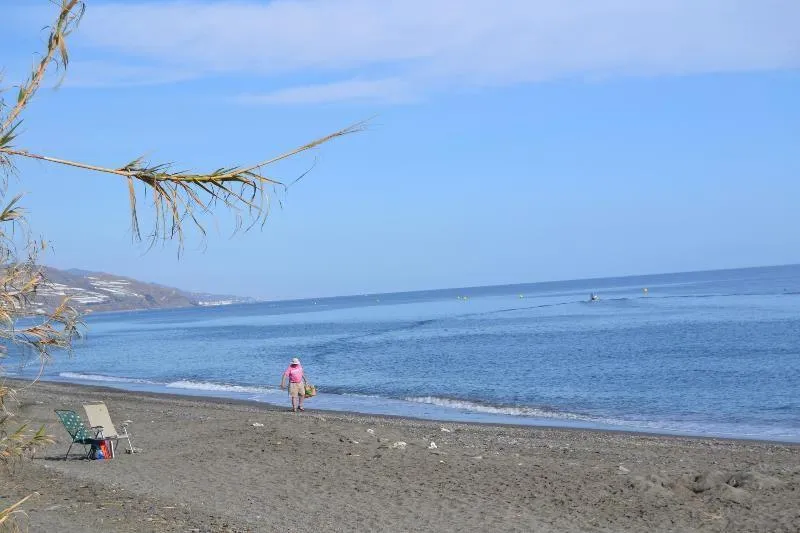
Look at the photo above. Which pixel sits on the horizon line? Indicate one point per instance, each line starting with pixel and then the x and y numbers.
pixel 468 287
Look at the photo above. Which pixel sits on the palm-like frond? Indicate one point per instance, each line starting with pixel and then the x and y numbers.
pixel 180 196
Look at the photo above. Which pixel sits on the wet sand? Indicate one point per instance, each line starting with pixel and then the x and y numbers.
pixel 222 465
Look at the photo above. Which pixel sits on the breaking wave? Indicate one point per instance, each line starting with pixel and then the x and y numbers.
pixel 464 405
pixel 100 377
pixel 180 384
pixel 218 387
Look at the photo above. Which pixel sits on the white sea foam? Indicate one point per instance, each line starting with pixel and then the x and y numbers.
pixel 219 387
pixel 464 405
pixel 100 377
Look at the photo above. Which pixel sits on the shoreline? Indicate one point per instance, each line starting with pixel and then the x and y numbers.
pixel 444 414
pixel 222 400
pixel 218 464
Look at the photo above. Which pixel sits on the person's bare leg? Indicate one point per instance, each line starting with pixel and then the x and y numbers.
pixel 294 402
pixel 300 399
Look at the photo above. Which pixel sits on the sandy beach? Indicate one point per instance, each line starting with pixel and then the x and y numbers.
pixel 219 465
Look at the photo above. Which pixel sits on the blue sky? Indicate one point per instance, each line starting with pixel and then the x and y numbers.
pixel 514 141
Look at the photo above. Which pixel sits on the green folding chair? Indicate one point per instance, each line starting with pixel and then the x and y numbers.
pixel 79 433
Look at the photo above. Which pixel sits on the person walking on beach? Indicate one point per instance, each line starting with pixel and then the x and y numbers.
pixel 297 390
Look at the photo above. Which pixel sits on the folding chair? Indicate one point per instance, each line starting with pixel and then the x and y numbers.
pixel 100 420
pixel 79 433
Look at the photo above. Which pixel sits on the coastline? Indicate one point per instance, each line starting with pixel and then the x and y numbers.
pixel 405 408
pixel 205 466
pixel 256 404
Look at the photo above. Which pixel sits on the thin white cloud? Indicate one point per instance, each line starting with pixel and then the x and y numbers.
pixel 106 74
pixel 387 90
pixel 409 47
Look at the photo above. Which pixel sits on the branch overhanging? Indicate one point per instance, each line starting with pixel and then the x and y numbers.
pixel 179 196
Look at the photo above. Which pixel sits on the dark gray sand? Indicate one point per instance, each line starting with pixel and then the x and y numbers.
pixel 209 465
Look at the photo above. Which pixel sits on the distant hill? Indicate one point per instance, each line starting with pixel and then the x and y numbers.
pixel 99 291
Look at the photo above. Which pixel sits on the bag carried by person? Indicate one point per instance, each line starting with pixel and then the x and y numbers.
pixel 310 389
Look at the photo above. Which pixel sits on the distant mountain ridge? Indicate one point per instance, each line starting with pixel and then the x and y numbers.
pixel 99 291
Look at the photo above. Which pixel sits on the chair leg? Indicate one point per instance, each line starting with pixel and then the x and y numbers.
pixel 68 449
pixel 127 437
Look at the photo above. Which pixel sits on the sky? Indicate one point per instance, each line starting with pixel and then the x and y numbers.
pixel 509 141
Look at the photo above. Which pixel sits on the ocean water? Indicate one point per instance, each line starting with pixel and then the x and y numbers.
pixel 706 353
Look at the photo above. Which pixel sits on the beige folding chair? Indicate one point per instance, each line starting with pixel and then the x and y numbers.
pixel 100 420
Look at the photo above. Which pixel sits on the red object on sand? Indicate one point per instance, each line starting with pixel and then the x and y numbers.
pixel 106 447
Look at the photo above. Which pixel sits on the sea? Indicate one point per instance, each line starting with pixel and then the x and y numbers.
pixel 696 354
